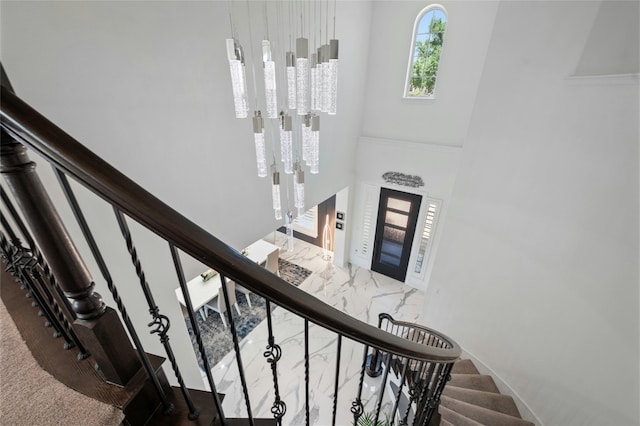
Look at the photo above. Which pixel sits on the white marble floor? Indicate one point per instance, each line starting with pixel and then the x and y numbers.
pixel 356 291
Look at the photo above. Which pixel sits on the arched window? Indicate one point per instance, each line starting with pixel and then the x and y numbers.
pixel 426 47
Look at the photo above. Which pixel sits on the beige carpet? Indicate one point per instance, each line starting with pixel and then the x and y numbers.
pixel 31 396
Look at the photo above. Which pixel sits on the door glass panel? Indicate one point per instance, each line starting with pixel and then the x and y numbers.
pixel 393 234
pixel 391 248
pixel 397 219
pixel 389 260
pixel 396 204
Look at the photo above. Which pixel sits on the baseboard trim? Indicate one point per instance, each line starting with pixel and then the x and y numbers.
pixel 525 411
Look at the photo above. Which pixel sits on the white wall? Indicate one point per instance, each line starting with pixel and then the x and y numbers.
pixel 537 269
pixel 146 86
pixel 340 236
pixel 442 121
pixel 613 46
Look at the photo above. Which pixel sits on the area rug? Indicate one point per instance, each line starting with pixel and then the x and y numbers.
pixel 292 273
pixel 217 340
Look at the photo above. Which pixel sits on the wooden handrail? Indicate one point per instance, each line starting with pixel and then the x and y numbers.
pixel 28 125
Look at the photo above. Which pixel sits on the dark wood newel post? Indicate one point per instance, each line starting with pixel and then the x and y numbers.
pixel 97 325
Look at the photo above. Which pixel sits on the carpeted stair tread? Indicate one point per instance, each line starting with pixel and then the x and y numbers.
pixel 482 415
pixel 464 366
pixel 474 381
pixel 443 422
pixel 30 395
pixel 456 419
pixel 496 402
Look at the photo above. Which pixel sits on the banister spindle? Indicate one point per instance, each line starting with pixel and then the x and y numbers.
pixel 374 363
pixel 104 270
pixel 335 385
pixel 438 386
pixel 97 325
pixel 356 406
pixel 429 390
pixel 160 323
pixel 414 390
pixel 396 404
pixel 272 354
pixel 306 371
pixel 196 331
pixel 425 388
pixel 236 346
pixel 383 386
pixel 18 259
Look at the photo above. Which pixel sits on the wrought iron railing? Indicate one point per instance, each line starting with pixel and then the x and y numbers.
pixel 21 124
pixel 419 384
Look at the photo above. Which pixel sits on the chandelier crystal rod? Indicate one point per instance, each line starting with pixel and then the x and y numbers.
pixel 261 151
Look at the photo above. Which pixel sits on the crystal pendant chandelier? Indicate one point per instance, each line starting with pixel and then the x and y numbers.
pixel 305 72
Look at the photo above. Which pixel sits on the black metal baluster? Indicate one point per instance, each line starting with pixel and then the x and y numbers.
pixel 374 363
pixel 19 266
pixel 196 332
pixel 102 265
pixel 160 322
pixel 335 389
pixel 424 336
pixel 429 396
pixel 383 386
pixel 356 406
pixel 273 354
pixel 434 400
pixel 431 339
pixel 413 390
pixel 69 335
pixel 39 258
pixel 399 394
pixel 306 371
pixel 15 257
pixel 422 399
pixel 236 346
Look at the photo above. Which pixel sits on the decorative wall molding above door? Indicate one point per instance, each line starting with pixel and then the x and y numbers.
pixel 403 179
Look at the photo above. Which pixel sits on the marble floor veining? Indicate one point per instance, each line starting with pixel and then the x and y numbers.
pixel 359 292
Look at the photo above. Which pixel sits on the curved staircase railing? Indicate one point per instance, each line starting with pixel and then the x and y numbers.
pixel 21 124
pixel 412 379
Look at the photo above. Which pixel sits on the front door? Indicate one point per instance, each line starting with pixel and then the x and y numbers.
pixel 397 218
